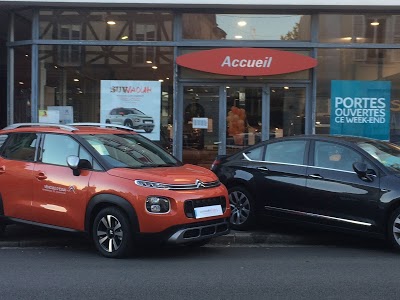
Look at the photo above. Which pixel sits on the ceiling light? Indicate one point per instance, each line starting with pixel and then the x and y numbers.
pixel 125 37
pixel 149 62
pixel 154 67
pixel 111 22
pixel 167 78
pixel 375 23
pixel 286 87
pixel 242 23
pixel 238 37
pixel 160 80
pixel 21 82
pixel 76 79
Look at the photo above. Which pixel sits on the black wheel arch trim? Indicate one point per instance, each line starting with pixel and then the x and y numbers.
pixel 103 200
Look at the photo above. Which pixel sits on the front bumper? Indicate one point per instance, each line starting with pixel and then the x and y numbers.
pixel 199 231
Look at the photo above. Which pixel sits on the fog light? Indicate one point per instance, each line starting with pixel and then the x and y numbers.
pixel 157 205
pixel 155 208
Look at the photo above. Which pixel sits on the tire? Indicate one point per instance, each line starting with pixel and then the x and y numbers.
pixel 128 123
pixel 393 230
pixel 242 208
pixel 108 121
pixel 112 233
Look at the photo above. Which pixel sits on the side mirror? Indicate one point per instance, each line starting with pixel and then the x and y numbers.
pixel 73 162
pixel 362 171
pixel 77 164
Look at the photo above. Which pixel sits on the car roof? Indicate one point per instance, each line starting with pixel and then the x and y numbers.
pixel 74 128
pixel 343 138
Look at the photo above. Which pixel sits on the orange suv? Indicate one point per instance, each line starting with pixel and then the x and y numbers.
pixel 108 181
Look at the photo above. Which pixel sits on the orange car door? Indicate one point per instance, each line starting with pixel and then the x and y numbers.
pixel 16 179
pixel 59 197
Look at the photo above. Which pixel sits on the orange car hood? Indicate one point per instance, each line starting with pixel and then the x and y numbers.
pixel 185 174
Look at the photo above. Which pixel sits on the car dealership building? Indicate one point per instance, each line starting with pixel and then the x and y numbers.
pixel 212 76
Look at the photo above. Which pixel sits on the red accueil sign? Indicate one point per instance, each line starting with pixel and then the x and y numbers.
pixel 246 61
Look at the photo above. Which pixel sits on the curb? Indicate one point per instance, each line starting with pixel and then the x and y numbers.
pixel 19 236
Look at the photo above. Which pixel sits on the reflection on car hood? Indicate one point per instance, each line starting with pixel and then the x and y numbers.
pixel 186 174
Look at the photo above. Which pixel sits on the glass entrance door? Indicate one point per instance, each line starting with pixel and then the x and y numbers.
pixel 200 137
pixel 243 117
pixel 226 119
pixel 287 106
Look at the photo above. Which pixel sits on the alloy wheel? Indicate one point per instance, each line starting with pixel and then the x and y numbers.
pixel 109 233
pixel 240 207
pixel 396 229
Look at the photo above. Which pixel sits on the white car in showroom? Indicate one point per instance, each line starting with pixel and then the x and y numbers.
pixel 131 117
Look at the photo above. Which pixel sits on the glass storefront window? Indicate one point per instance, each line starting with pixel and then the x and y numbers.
pixel 287 111
pixel 126 25
pixel 71 76
pixel 371 28
pixel 357 64
pixel 200 125
pixel 246 27
pixel 22 84
pixel 22 25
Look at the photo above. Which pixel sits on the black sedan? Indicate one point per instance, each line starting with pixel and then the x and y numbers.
pixel 342 182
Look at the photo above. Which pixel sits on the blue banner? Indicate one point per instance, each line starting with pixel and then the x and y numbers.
pixel 361 108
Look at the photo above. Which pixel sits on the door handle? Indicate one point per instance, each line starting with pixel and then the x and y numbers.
pixel 2 170
pixel 41 176
pixel 316 176
pixel 262 169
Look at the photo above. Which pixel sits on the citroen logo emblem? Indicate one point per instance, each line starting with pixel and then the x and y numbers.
pixel 199 184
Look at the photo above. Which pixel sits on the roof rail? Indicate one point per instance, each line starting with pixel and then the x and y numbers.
pixel 60 126
pixel 102 125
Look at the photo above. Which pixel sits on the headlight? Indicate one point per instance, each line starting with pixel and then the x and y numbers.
pixel 151 184
pixel 157 205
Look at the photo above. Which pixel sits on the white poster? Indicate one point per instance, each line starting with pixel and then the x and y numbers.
pixel 49 116
pixel 66 113
pixel 136 104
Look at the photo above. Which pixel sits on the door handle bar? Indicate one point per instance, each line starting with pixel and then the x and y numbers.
pixel 316 176
pixel 262 169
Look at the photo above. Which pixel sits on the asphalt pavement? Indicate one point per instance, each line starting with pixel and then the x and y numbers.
pixel 270 234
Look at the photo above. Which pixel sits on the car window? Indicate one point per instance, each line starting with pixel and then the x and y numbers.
pixel 335 156
pixel 127 150
pixel 3 138
pixel 386 153
pixel 290 152
pixel 21 146
pixel 57 147
pixel 255 154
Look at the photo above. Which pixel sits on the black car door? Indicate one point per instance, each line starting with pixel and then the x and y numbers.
pixel 336 194
pixel 280 176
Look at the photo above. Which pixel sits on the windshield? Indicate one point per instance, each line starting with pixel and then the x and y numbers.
pixel 130 151
pixel 388 154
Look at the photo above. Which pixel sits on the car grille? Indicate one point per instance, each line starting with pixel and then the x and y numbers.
pixel 194 186
pixel 190 205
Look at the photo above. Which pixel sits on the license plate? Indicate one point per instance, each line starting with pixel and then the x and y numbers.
pixel 208 211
